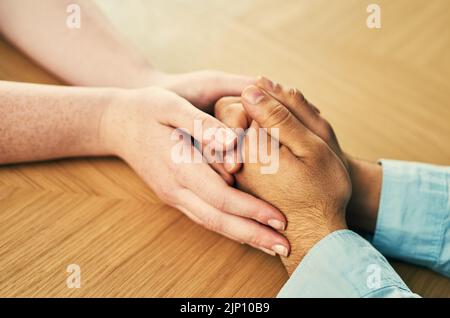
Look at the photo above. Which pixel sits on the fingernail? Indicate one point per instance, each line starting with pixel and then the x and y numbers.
pixel 280 250
pixel 276 224
pixel 268 85
pixel 265 250
pixel 253 95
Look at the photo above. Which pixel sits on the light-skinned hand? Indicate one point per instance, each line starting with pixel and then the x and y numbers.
pixel 138 127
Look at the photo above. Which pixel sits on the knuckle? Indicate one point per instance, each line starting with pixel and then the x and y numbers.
pixel 327 132
pixel 220 203
pixel 256 239
pixel 277 88
pixel 315 149
pixel 258 215
pixel 180 175
pixel 212 224
pixel 201 118
pixel 222 102
pixel 228 106
pixel 296 95
pixel 276 116
pixel 322 151
pixel 167 194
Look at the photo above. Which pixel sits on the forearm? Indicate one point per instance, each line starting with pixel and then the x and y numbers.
pixel 304 238
pixel 362 211
pixel 93 55
pixel 40 122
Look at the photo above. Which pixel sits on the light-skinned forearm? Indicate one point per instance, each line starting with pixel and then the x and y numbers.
pixel 40 122
pixel 94 55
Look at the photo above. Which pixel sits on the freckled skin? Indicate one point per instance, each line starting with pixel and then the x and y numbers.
pixel 41 122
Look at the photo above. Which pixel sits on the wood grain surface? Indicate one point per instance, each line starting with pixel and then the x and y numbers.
pixel 386 91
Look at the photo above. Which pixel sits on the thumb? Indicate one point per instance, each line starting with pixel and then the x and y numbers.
pixel 230 111
pixel 280 123
pixel 203 127
pixel 226 84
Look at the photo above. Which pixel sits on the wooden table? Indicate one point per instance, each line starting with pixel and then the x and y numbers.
pixel 386 91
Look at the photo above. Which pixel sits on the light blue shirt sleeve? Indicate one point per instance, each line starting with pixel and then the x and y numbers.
pixel 413 221
pixel 344 264
pixel 413 225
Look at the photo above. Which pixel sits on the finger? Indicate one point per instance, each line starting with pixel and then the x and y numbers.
pixel 305 112
pixel 203 127
pixel 317 110
pixel 225 101
pixel 230 111
pixel 232 115
pixel 237 228
pixel 269 113
pixel 227 84
pixel 189 214
pixel 266 159
pixel 205 183
pixel 293 99
pixel 218 166
pixel 223 172
pixel 225 163
pixel 233 163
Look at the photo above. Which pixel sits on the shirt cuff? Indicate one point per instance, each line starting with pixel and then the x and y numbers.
pixel 413 221
pixel 343 264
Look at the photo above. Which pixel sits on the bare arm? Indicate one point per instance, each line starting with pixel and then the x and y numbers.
pixel 97 55
pixel 46 122
pixel 93 55
pixel 39 122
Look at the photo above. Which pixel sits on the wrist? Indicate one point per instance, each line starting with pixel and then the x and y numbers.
pixel 363 207
pixel 304 238
pixel 150 77
pixel 82 119
pixel 112 125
